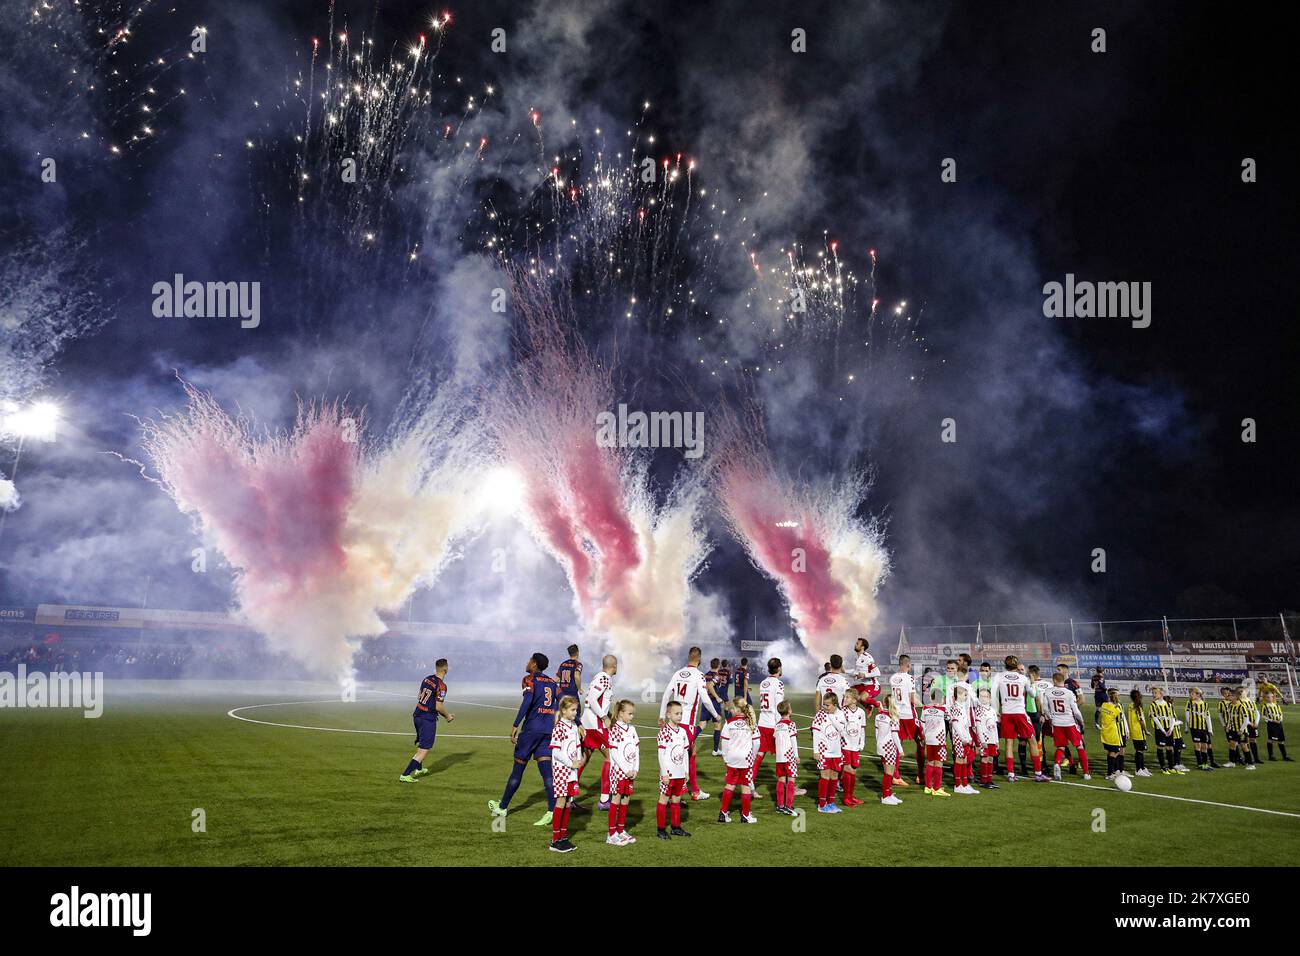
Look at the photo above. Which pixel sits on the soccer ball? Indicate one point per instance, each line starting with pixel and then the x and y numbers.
pixel 1123 783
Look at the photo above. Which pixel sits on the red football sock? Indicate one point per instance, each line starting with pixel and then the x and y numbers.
pixel 1083 759
pixel 887 786
pixel 604 781
pixel 726 800
pixel 758 762
pixel 821 791
pixel 694 787
pixel 622 817
pixel 677 814
pixel 557 825
pixel 661 815
pixel 613 818
pixel 744 803
pixel 1038 763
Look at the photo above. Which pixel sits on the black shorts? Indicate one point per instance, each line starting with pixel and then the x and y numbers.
pixel 1114 748
pixel 1252 733
pixel 1201 736
pixel 1163 739
pixel 1140 746
pixel 1233 736
pixel 1275 733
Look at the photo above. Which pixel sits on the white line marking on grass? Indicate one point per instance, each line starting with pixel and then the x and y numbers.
pixel 234 712
pixel 1166 796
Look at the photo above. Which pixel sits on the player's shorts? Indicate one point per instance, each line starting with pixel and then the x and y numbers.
pixel 1252 732
pixel 830 763
pixel 675 787
pixel 1163 739
pixel 790 770
pixel 691 734
pixel 888 753
pixel 619 782
pixel 1139 745
pixel 425 729
pixel 565 780
pixel 767 740
pixel 1200 735
pixel 1276 734
pixel 738 776
pixel 936 751
pixel 535 745
pixel 1234 736
pixel 851 759
pixel 963 753
pixel 1114 748
pixel 1015 727
pixel 1068 736
pixel 990 750
pixel 907 729
pixel 595 739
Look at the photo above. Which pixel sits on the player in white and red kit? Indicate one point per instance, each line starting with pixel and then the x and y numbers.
pixel 961 723
pixel 771 693
pixel 624 765
pixel 889 749
pixel 985 721
pixel 674 761
pixel 566 762
pixel 689 689
pixel 833 681
pixel 595 721
pixel 854 730
pixel 902 687
pixel 934 730
pixel 1010 690
pixel 1061 705
pixel 787 760
pixel 866 676
pixel 827 737
pixel 739 748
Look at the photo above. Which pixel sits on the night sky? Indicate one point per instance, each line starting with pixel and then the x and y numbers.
pixel 1072 434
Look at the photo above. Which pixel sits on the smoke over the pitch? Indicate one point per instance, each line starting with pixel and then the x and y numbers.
pixel 629 558
pixel 806 536
pixel 323 530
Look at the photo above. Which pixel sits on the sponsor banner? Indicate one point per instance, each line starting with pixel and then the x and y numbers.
pixel 82 615
pixel 1114 660
pixel 1114 674
pixel 1196 660
pixel 1208 675
pixel 943 651
pixel 1122 648
pixel 17 615
pixel 1213 647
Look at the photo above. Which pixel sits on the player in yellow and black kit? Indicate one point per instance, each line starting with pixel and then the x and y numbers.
pixel 1239 712
pixel 1250 734
pixel 1111 717
pixel 1136 718
pixel 1168 734
pixel 1199 725
pixel 1225 709
pixel 1272 712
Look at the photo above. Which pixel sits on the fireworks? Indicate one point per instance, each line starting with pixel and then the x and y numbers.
pixel 828 563
pixel 322 530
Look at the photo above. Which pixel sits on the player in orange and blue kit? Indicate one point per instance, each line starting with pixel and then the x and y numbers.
pixel 569 677
pixel 531 735
pixel 428 708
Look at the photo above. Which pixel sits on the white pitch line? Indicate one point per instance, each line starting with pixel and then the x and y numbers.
pixel 234 712
pixel 1166 796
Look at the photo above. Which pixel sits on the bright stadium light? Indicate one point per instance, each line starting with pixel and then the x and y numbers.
pixel 502 491
pixel 38 421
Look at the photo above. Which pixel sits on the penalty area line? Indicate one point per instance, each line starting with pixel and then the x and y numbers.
pixel 1167 796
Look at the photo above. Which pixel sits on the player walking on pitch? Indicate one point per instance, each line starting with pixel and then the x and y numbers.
pixel 1061 706
pixel 531 736
pixel 428 708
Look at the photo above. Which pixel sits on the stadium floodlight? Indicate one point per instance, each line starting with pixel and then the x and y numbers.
pixel 38 421
pixel 502 491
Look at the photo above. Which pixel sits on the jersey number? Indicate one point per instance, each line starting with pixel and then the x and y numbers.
pixel 425 694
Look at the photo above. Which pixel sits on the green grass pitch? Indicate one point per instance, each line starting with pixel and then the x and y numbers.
pixel 122 790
